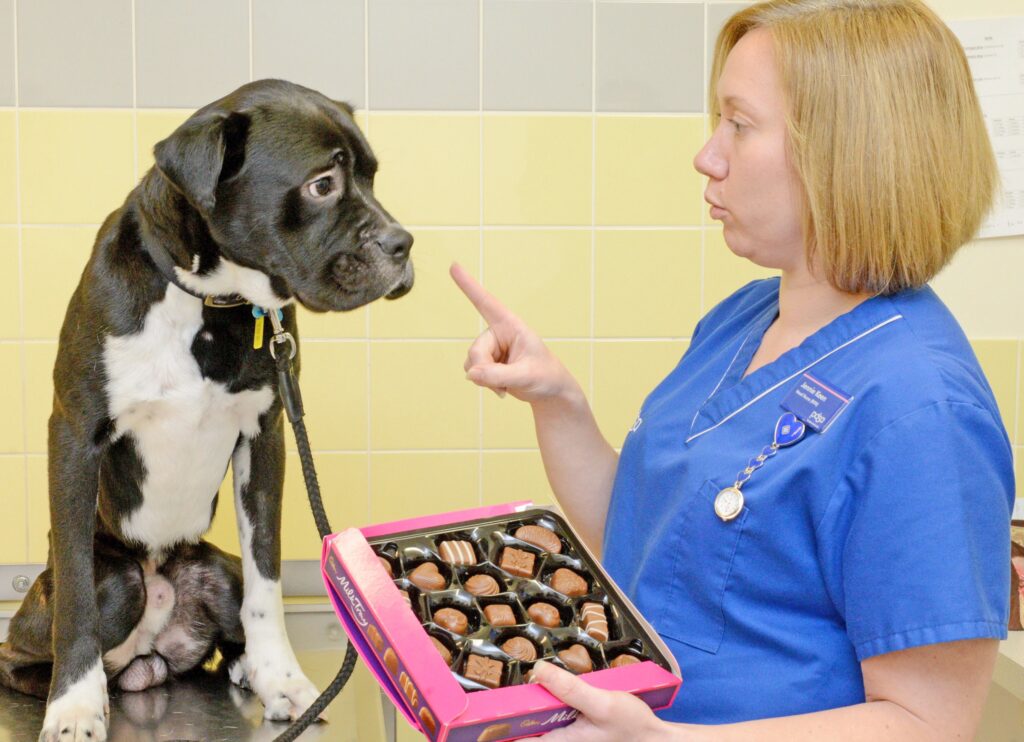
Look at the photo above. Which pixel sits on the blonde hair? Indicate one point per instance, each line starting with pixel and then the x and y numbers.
pixel 885 133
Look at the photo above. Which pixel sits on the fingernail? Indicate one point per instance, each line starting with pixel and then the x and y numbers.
pixel 500 392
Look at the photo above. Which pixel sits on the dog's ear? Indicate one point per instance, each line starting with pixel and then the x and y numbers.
pixel 206 149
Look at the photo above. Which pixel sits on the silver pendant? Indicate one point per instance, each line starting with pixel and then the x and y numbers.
pixel 728 503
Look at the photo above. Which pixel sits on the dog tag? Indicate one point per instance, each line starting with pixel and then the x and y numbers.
pixel 257 338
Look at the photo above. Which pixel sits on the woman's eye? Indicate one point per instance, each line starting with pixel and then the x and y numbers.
pixel 737 124
pixel 321 187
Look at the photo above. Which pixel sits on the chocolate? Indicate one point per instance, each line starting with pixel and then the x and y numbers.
pixel 391 661
pixel 428 577
pixel 406 598
pixel 410 689
pixel 623 660
pixel 495 732
pixel 459 553
pixel 481 585
pixel 452 619
pixel 442 650
pixel 544 614
pixel 387 567
pixel 517 562
pixel 594 621
pixel 577 659
pixel 500 614
pixel 520 648
pixel 484 670
pixel 428 721
pixel 541 537
pixel 375 638
pixel 569 583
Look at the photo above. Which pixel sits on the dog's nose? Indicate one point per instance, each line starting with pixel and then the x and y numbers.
pixel 395 242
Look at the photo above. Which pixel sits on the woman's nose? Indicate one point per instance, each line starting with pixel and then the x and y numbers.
pixel 709 161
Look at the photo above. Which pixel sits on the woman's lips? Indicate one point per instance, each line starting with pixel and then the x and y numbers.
pixel 717 212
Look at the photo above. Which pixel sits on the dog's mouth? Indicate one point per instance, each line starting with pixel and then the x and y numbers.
pixel 352 281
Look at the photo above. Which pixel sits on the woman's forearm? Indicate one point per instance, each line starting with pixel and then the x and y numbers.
pixel 876 721
pixel 579 462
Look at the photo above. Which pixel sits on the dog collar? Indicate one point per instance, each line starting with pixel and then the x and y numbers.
pixel 166 265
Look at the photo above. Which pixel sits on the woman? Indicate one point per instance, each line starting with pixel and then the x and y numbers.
pixel 851 582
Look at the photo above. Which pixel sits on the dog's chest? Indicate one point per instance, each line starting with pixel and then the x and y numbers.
pixel 183 425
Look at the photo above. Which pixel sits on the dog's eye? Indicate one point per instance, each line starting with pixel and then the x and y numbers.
pixel 321 187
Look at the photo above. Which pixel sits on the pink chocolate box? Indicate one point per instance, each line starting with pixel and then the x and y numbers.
pixel 380 624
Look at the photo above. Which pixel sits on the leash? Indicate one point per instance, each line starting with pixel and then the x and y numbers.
pixel 291 398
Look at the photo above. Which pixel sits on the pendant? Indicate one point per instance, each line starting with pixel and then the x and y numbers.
pixel 728 503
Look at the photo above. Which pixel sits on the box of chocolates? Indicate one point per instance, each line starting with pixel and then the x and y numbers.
pixel 450 612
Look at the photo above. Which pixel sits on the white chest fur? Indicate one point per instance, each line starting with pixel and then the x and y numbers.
pixel 184 426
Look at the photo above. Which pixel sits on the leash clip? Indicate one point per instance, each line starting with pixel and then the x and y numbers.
pixel 280 336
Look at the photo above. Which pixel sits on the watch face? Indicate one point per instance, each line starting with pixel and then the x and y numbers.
pixel 728 503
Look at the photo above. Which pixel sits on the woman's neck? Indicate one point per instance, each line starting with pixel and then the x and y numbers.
pixel 807 303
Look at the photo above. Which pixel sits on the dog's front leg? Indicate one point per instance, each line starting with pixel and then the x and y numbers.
pixel 77 707
pixel 268 666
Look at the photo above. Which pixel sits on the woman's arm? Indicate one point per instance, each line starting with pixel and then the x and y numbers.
pixel 510 357
pixel 932 693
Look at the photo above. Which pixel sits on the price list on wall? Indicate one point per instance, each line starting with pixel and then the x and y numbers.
pixel 995 52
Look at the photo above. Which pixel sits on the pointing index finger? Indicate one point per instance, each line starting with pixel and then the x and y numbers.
pixel 490 308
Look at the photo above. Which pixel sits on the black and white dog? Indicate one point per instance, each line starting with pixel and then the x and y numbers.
pixel 262 198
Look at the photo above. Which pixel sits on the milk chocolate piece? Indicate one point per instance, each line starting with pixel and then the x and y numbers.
pixel 545 614
pixel 483 670
pixel 577 659
pixel 520 648
pixel 495 732
pixel 594 621
pixel 623 660
pixel 481 585
pixel 428 721
pixel 387 567
pixel 442 650
pixel 452 619
pixel 517 562
pixel 500 614
pixel 458 552
pixel 406 598
pixel 541 537
pixel 410 689
pixel 428 577
pixel 568 583
pixel 391 661
pixel 375 638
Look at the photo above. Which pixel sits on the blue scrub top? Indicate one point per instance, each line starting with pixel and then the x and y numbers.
pixel 887 531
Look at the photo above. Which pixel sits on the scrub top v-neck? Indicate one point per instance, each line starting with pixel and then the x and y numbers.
pixel 886 530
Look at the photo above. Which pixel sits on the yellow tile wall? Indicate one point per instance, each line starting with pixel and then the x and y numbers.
pixel 591 228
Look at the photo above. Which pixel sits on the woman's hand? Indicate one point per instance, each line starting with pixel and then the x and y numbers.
pixel 509 356
pixel 605 716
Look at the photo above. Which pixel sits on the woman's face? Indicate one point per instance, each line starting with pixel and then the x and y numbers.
pixel 752 186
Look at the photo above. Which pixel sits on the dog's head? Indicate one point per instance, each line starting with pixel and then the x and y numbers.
pixel 283 179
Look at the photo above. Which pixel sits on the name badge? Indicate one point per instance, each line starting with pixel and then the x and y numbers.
pixel 817 403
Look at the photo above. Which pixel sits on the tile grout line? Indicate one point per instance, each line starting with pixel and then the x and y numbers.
pixel 250 40
pixel 591 385
pixel 480 227
pixel 135 99
pixel 22 352
pixel 366 317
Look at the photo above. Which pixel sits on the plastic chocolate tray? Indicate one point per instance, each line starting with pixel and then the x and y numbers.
pixel 490 536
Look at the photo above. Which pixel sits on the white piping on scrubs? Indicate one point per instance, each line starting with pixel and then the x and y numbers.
pixel 788 378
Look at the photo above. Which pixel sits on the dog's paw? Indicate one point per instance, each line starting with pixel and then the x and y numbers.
pixel 80 714
pixel 284 689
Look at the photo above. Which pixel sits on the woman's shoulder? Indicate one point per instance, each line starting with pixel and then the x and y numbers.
pixel 926 360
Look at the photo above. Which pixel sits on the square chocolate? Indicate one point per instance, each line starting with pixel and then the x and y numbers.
pixel 517 562
pixel 500 614
pixel 484 670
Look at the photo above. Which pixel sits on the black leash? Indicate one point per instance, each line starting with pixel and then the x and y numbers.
pixel 288 387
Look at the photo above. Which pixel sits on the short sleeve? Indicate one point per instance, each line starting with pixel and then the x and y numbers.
pixel 915 540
